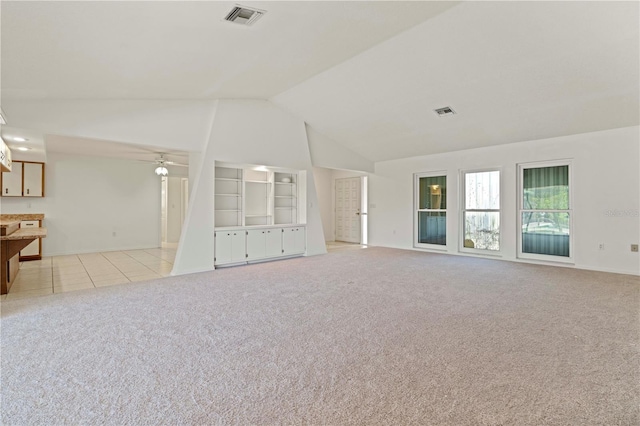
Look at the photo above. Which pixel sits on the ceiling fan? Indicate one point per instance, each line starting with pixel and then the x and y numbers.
pixel 162 164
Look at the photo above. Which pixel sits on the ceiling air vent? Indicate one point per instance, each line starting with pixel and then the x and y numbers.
pixel 444 111
pixel 244 15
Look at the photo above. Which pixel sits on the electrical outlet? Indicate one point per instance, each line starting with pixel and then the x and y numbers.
pixel 600 246
pixel 634 248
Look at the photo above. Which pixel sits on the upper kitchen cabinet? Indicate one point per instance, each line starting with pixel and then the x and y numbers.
pixel 12 181
pixel 26 179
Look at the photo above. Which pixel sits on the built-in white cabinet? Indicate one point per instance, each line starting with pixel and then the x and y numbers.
pixel 259 213
pixel 262 243
pixel 230 247
pixel 293 240
pixel 26 179
pixel 256 244
pixel 33 250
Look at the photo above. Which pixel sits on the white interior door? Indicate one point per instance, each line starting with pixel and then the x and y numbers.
pixel 348 202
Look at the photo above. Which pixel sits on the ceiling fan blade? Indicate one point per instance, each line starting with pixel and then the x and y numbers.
pixel 171 163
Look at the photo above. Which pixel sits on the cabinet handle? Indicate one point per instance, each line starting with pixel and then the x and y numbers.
pixel 27 191
pixel 6 190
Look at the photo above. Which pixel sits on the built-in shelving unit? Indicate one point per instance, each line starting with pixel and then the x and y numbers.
pixel 285 198
pixel 258 186
pixel 259 214
pixel 228 197
pixel 251 196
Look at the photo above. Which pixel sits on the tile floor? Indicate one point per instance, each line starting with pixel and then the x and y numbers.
pixel 80 271
pixel 58 274
pixel 341 245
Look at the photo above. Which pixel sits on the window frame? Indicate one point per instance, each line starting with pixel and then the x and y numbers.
pixel 417 210
pixel 463 210
pixel 520 210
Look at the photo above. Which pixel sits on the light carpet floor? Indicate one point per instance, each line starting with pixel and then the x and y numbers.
pixel 372 336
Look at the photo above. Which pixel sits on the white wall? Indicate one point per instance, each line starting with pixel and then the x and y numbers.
pixel 178 124
pixel 325 152
pixel 606 172
pixel 87 199
pixel 324 186
pixel 245 132
pixel 174 219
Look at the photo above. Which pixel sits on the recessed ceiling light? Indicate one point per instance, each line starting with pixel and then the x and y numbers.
pixel 23 148
pixel 20 139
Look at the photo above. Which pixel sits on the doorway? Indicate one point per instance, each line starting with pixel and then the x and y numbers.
pixel 351 209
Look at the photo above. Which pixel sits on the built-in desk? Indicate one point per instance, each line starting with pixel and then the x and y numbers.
pixel 12 240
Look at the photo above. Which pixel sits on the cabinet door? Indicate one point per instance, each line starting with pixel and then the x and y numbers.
pixel 32 184
pixel 238 246
pixel 274 242
pixel 256 244
pixel 300 244
pixel 294 240
pixel 12 181
pixel 33 249
pixel 223 247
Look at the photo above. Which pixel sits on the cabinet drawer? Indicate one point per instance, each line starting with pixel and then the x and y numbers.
pixel 32 251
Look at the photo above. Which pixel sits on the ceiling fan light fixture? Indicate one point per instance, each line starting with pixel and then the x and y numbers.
pixel 162 170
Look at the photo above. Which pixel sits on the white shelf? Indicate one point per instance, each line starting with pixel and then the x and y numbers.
pixel 260 193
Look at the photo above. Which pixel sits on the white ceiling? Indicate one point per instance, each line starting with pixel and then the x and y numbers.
pixel 90 147
pixel 366 74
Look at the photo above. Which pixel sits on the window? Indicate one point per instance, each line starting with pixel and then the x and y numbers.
pixel 481 210
pixel 431 210
pixel 545 211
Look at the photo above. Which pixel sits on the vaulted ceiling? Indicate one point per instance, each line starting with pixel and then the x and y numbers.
pixel 366 74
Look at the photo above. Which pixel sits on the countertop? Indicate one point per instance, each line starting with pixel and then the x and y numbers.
pixel 5 223
pixel 25 234
pixel 21 216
